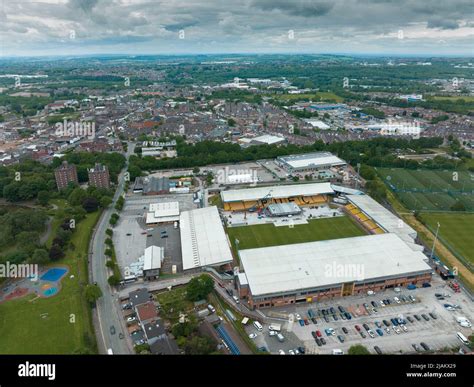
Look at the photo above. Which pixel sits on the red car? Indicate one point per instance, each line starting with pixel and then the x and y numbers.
pixel 357 328
pixel 306 322
pixel 318 333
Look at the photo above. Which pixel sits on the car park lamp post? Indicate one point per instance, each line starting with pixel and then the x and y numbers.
pixel 434 242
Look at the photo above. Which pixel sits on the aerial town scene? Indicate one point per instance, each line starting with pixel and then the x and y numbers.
pixel 267 178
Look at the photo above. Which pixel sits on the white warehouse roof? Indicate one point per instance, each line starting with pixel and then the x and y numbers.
pixel 203 240
pixel 276 191
pixel 152 258
pixel 163 212
pixel 311 160
pixel 383 217
pixel 290 268
pixel 268 139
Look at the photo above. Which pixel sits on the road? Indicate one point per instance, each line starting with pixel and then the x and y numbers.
pixel 108 313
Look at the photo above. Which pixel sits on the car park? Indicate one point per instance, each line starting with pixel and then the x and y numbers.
pixel 378 350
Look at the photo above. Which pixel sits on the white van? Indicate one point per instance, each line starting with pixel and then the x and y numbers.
pixel 175 224
pixel 236 299
pixel 274 327
pixel 462 338
pixel 258 326
pixel 337 352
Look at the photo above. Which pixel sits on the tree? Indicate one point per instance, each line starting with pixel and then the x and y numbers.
pixel 56 253
pixel 196 170
pixel 92 294
pixel 199 287
pixel 90 204
pixel 40 257
pixel 109 232
pixel 198 345
pixel 43 197
pixel 105 201
pixel 358 350
pixel 113 280
pixel 231 122
pixel 184 329
pixel 77 197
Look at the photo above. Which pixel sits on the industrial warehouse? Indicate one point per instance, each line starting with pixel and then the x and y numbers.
pixel 309 162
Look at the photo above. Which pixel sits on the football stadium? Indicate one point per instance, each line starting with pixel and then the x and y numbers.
pixel 325 249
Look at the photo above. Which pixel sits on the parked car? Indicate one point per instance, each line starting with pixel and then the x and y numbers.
pixel 363 334
pixel 318 333
pixel 340 338
pixel 425 346
pixel 334 316
pixel 386 323
pixel 382 303
pixel 301 350
pixel 291 352
pixel 366 327
pixel 378 350
pixel 410 319
pixel 357 328
pixel 314 320
pixel 371 333
pixel 416 347
pixel 341 309
pixel 396 329
pixel 297 316
pixel 301 322
pixel 344 329
pixel 433 315
pixel 326 319
pixel 373 304
pixel 425 317
pixel 323 341
pixel 318 341
pixel 394 321
pixel 388 330
pixel 378 325
pixel 396 299
pixel 379 332
pixel 403 326
pixel 252 336
pixel 131 319
pixel 348 315
pixel 281 352
pixel 272 333
pixel 112 330
pixel 417 317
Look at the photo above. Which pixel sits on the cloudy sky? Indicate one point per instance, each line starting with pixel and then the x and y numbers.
pixel 73 27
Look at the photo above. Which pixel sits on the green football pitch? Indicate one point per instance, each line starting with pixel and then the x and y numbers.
pixel 316 230
pixel 456 231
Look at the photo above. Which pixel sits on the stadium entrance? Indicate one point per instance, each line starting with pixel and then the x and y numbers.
pixel 347 289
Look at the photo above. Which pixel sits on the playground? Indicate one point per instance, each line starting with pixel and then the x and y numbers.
pixel 47 285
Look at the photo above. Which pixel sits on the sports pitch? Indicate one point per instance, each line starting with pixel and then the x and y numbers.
pixel 430 190
pixel 316 230
pixel 456 232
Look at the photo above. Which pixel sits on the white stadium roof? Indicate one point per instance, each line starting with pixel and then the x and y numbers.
pixel 203 240
pixel 277 191
pixel 289 268
pixel 384 218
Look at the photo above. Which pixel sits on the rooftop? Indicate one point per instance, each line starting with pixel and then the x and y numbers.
pixel 289 268
pixel 277 191
pixel 203 240
pixel 153 257
pixel 311 159
pixel 146 311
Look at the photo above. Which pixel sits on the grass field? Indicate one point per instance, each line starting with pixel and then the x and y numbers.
pixel 22 329
pixel 456 231
pixel 430 189
pixel 466 98
pixel 316 230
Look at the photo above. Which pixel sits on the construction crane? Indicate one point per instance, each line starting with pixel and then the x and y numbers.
pixel 255 206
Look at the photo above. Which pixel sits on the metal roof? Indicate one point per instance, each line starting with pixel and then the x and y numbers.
pixel 290 268
pixel 152 258
pixel 203 240
pixel 276 191
pixel 383 217
pixel 311 160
